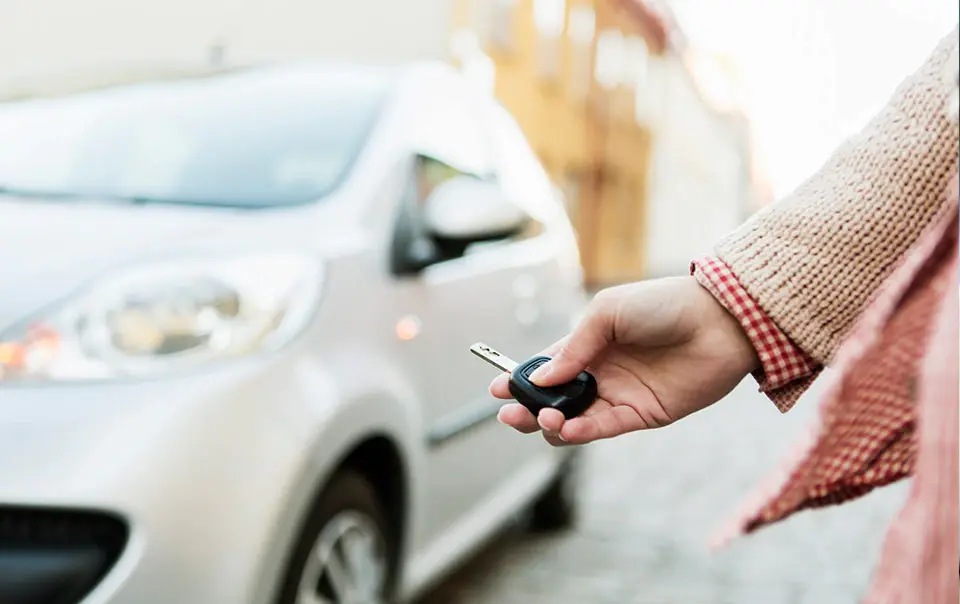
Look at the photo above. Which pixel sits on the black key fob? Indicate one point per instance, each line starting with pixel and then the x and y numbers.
pixel 571 399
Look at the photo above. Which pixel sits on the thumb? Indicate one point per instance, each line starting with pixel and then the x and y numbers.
pixel 575 352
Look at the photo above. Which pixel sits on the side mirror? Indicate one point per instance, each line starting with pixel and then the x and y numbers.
pixel 468 209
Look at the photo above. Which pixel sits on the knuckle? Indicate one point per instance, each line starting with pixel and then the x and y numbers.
pixel 615 293
pixel 604 306
pixel 604 297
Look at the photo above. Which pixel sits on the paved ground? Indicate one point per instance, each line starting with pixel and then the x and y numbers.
pixel 653 499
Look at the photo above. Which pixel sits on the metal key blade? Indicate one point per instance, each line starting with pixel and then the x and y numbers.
pixel 498 360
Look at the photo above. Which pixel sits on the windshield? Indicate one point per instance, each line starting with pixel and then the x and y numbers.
pixel 251 139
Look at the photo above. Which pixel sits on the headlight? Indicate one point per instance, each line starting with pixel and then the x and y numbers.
pixel 165 316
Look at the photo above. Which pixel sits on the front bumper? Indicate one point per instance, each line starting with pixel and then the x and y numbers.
pixel 198 477
pixel 56 556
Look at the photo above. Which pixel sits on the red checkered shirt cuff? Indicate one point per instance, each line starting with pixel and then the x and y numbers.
pixel 785 370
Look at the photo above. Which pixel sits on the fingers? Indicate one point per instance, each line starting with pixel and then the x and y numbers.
pixel 500 387
pixel 550 422
pixel 610 422
pixel 517 417
pixel 570 356
pixel 580 348
pixel 606 422
pixel 598 423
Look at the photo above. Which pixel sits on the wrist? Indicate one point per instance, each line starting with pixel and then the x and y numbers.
pixel 781 362
pixel 729 336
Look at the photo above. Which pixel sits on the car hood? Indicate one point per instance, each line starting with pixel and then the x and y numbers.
pixel 49 250
pixel 55 237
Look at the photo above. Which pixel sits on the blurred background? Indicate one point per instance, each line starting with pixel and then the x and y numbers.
pixel 665 124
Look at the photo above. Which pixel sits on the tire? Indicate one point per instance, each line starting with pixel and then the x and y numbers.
pixel 558 506
pixel 346 516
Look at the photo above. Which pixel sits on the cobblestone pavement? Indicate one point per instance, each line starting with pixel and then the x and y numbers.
pixel 651 502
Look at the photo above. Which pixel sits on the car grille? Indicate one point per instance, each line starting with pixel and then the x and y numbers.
pixel 52 556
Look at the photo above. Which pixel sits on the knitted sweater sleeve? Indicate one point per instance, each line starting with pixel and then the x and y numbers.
pixel 813 260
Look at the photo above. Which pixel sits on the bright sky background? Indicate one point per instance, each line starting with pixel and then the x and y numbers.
pixel 815 70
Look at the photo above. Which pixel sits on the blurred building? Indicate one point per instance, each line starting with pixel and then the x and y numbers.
pixel 704 178
pixel 644 136
pixel 569 71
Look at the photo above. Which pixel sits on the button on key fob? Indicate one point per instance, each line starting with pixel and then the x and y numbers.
pixel 571 398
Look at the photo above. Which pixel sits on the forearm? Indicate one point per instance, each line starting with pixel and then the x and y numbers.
pixel 813 260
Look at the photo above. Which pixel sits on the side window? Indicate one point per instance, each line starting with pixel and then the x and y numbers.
pixel 456 132
pixel 448 140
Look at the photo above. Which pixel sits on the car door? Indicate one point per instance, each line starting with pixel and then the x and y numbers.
pixel 534 282
pixel 496 291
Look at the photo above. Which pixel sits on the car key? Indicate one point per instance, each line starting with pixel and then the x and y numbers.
pixel 571 399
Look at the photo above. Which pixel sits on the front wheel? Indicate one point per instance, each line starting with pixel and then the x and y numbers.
pixel 345 554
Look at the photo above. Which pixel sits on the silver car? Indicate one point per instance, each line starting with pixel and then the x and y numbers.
pixel 235 323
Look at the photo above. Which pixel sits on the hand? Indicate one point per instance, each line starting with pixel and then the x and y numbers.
pixel 660 350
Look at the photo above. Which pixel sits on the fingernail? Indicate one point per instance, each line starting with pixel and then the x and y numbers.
pixel 541 372
pixel 560 436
